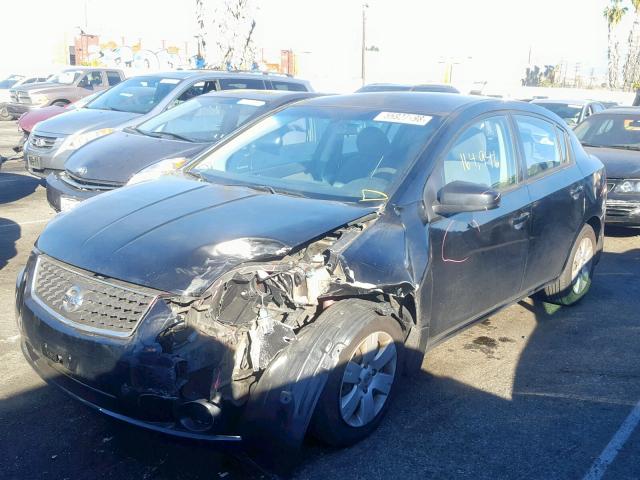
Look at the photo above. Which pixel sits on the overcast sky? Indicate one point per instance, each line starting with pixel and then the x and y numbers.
pixel 491 38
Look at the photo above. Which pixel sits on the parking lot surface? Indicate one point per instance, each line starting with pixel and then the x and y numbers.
pixel 535 392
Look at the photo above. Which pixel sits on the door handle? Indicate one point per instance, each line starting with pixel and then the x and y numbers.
pixel 518 221
pixel 575 192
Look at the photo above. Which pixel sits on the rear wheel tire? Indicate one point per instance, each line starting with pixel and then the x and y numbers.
pixel 575 280
pixel 359 390
pixel 4 114
pixel 60 103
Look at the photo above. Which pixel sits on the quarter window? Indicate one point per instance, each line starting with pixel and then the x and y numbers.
pixel 293 87
pixel 483 154
pixel 540 145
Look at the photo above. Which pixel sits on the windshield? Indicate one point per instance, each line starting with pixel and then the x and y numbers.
pixel 569 113
pixel 347 154
pixel 67 77
pixel 136 95
pixel 606 130
pixel 203 119
pixel 10 81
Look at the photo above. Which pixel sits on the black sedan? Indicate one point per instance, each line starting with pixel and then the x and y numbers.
pixel 159 145
pixel 284 280
pixel 614 137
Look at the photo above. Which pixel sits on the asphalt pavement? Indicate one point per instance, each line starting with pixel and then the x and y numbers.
pixel 534 392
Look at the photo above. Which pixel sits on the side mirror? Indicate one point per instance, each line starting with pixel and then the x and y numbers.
pixel 462 196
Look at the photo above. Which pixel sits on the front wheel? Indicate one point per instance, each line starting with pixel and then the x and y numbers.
pixel 575 280
pixel 359 390
pixel 4 113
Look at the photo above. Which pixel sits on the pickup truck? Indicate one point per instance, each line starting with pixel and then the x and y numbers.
pixel 61 89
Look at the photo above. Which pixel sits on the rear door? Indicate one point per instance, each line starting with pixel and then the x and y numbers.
pixel 556 187
pixel 478 258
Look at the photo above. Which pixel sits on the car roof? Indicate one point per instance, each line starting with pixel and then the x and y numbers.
pixel 559 100
pixel 223 74
pixel 427 103
pixel 264 95
pixel 620 111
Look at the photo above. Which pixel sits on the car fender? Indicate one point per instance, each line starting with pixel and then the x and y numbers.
pixel 281 406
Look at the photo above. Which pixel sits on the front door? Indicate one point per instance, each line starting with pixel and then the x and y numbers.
pixel 478 258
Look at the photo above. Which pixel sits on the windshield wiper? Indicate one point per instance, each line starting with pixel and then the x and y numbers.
pixel 169 134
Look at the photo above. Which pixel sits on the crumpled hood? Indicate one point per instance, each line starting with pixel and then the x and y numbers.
pixel 170 234
pixel 83 120
pixel 116 157
pixel 618 163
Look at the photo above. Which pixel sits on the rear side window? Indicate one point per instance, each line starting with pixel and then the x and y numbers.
pixel 483 154
pixel 113 78
pixel 241 83
pixel 290 86
pixel 540 145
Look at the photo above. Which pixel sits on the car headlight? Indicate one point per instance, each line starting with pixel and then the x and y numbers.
pixel 164 167
pixel 628 186
pixel 39 99
pixel 77 140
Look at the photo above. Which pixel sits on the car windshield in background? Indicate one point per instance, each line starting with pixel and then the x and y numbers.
pixel 67 77
pixel 613 131
pixel 136 95
pixel 568 112
pixel 202 119
pixel 10 81
pixel 325 152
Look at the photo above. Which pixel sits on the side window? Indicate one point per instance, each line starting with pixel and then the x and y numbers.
pixel 563 142
pixel 292 87
pixel 241 83
pixel 597 108
pixel 195 90
pixel 540 145
pixel 113 78
pixel 483 154
pixel 91 80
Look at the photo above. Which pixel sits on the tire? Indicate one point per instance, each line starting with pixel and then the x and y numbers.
pixel 348 410
pixel 60 103
pixel 4 113
pixel 575 280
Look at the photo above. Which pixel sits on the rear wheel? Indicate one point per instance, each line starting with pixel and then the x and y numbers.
pixel 359 390
pixel 575 280
pixel 60 103
pixel 4 113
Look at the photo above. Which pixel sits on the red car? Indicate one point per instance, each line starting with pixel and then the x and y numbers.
pixel 28 120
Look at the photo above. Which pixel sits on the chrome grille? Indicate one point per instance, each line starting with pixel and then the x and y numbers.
pixel 82 184
pixel 23 97
pixel 620 208
pixel 107 307
pixel 13 95
pixel 38 141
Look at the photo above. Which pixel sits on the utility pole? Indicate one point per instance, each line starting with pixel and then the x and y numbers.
pixel 575 75
pixel 364 39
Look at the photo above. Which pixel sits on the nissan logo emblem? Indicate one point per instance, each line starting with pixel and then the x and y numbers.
pixel 73 299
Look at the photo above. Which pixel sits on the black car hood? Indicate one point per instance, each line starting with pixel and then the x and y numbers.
pixel 618 163
pixel 167 234
pixel 116 157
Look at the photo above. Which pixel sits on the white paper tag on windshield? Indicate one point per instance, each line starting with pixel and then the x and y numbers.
pixel 406 118
pixel 252 103
pixel 172 81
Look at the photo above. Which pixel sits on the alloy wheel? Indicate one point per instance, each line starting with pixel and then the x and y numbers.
pixel 581 267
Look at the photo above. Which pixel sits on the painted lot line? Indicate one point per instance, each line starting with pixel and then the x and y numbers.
pixel 614 446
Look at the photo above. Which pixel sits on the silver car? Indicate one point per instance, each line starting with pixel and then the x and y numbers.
pixel 129 103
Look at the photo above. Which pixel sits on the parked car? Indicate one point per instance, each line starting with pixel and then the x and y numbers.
pixel 61 89
pixel 130 103
pixel 614 137
pixel 291 273
pixel 571 111
pixel 160 144
pixel 14 81
pixel 607 105
pixel 28 120
pixel 397 87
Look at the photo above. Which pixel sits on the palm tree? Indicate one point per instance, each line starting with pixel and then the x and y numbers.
pixel 613 14
pixel 630 71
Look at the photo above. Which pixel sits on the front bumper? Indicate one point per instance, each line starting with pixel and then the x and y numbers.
pixel 131 379
pixel 40 162
pixel 58 189
pixel 623 212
